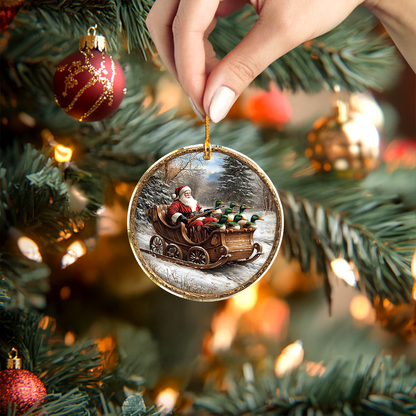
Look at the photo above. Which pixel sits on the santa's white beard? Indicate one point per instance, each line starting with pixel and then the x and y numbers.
pixel 189 202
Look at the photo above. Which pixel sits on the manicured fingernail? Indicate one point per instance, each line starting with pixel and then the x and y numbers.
pixel 221 103
pixel 196 111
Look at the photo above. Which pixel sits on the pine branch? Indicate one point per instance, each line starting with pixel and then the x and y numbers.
pixel 73 403
pixel 345 388
pixel 349 56
pixel 119 21
pixel 375 232
pixel 23 283
pixel 32 183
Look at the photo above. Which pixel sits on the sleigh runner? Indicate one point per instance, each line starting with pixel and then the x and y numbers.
pixel 173 243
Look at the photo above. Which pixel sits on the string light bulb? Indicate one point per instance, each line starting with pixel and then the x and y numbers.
pixel 76 250
pixel 62 153
pixel 343 270
pixel 29 249
pixel 167 398
pixel 290 358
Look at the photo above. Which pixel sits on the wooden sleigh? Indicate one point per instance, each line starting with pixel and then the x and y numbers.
pixel 200 249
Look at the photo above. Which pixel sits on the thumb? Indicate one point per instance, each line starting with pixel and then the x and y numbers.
pixel 258 49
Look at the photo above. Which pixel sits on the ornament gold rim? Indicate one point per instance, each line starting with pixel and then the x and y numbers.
pixel 204 297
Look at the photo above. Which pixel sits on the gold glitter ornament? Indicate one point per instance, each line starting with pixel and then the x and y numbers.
pixel 89 85
pixel 346 143
pixel 19 387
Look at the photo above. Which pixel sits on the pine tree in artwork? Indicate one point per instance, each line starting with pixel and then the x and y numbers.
pixel 236 180
pixel 155 192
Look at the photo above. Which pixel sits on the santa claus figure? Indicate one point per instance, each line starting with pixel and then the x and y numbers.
pixel 184 206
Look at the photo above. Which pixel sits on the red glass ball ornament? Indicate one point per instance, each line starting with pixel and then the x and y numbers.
pixel 22 388
pixel 268 108
pixel 89 85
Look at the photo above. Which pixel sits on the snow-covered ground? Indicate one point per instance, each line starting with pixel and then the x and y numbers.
pixel 217 280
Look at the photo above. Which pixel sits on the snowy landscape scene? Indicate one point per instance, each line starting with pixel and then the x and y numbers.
pixel 221 177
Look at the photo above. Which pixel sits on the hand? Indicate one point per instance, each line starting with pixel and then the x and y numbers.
pixel 180 30
pixel 183 219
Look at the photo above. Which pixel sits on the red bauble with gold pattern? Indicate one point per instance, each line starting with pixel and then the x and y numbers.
pixel 19 387
pixel 89 85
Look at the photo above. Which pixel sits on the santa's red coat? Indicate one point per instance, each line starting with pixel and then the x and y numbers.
pixel 178 206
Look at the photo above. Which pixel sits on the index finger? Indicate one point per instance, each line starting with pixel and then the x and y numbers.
pixel 193 22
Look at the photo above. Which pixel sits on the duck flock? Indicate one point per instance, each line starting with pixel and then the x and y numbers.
pixel 228 222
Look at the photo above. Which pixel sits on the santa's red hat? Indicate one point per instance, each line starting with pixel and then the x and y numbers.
pixel 179 191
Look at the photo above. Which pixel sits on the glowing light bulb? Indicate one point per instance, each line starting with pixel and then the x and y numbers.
pixel 246 300
pixel 62 153
pixel 29 249
pixel 290 358
pixel 360 307
pixel 73 253
pixel 343 270
pixel 69 338
pixel 167 398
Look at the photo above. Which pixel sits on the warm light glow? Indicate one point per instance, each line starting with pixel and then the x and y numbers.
pixel 48 137
pixel 167 398
pixel 62 153
pixel 360 307
pixel 44 322
pixel 27 119
pixel 315 369
pixel 110 220
pixel 290 358
pixel 65 292
pixel 246 300
pixel 73 253
pixel 414 291
pixel 123 189
pixel 69 338
pixel 29 249
pixel 344 271
pixel 221 340
pixel 224 328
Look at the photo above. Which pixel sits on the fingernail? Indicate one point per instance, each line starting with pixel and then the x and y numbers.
pixel 221 103
pixel 196 111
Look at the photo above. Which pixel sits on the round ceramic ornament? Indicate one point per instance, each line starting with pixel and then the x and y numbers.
pixel 205 228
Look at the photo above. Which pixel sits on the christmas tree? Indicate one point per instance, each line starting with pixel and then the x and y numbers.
pixel 98 334
pixel 234 176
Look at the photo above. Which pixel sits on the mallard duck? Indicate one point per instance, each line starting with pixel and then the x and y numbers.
pixel 245 219
pixel 251 225
pixel 228 212
pixel 233 225
pixel 221 224
pixel 217 213
pixel 234 204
